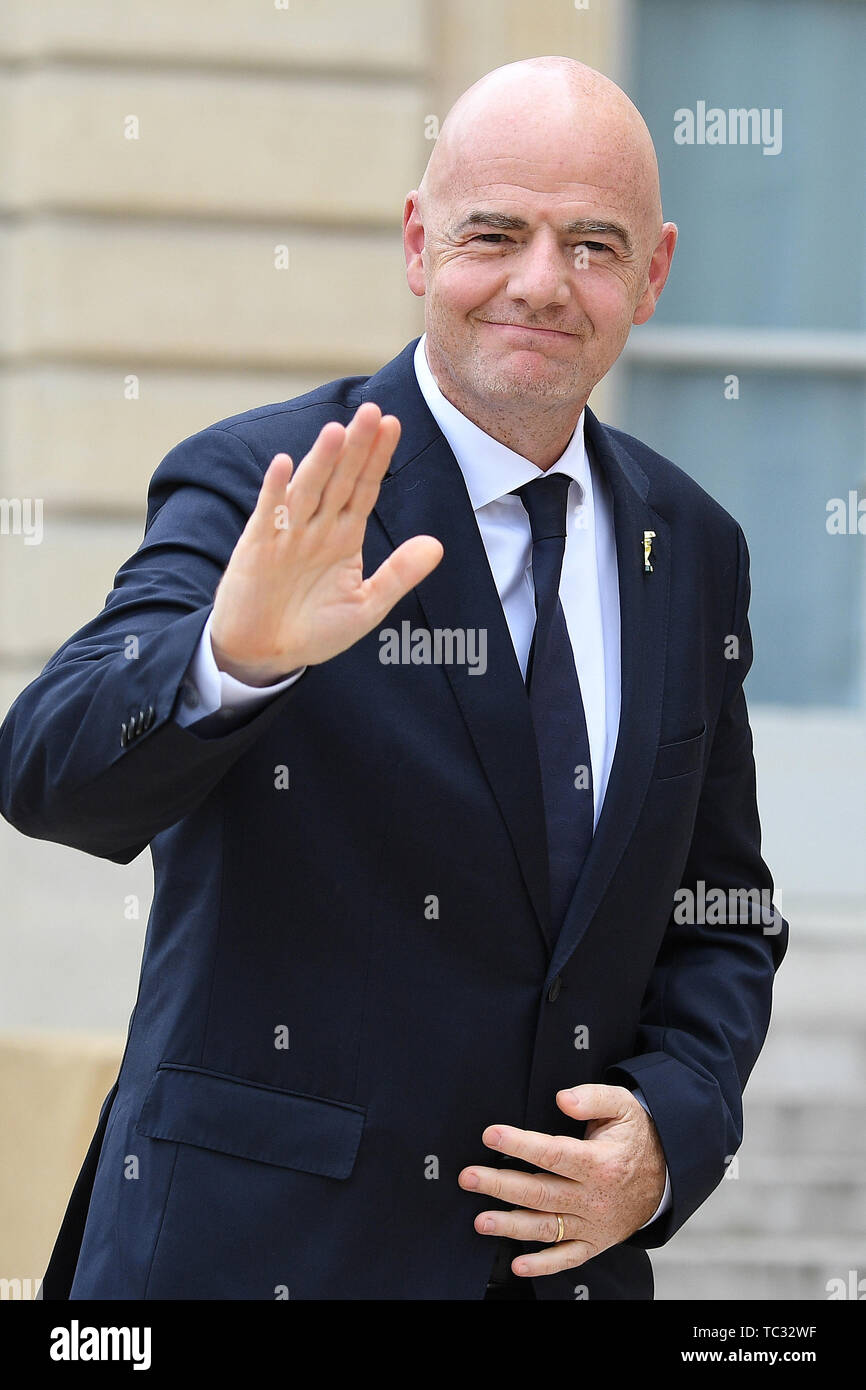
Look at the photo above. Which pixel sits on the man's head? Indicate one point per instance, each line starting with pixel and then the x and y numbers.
pixel 539 209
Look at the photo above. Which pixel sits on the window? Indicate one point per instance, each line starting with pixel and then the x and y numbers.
pixel 768 286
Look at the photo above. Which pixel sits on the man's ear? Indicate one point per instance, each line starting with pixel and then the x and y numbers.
pixel 659 268
pixel 413 243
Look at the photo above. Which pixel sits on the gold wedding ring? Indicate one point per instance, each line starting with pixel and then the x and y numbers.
pixel 560 1230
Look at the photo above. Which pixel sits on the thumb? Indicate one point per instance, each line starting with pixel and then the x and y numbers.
pixel 404 568
pixel 595 1102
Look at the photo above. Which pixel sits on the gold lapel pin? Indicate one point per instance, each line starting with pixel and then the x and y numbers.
pixel 648 538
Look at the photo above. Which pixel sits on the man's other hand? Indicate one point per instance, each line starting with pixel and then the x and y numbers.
pixel 604 1186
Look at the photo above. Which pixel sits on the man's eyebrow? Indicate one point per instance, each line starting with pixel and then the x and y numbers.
pixel 581 227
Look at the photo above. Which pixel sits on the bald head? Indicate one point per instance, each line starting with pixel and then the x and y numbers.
pixel 552 115
pixel 536 239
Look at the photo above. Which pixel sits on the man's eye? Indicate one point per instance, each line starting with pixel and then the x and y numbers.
pixel 596 245
pixel 490 236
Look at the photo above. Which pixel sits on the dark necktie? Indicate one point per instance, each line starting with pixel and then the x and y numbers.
pixel 555 700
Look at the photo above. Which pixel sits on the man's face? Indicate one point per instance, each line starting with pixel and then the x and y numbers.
pixel 532 279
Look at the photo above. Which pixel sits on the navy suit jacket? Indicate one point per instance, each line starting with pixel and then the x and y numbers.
pixel 314 1051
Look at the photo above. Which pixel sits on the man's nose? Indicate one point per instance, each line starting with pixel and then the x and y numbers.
pixel 540 274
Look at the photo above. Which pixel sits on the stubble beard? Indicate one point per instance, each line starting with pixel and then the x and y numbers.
pixel 477 383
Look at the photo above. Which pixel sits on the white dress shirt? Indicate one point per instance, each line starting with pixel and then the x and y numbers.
pixel 588 586
pixel 588 590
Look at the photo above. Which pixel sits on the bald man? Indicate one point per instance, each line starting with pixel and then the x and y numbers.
pixel 425 690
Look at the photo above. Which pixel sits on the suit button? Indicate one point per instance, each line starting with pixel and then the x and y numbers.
pixel 553 992
pixel 149 716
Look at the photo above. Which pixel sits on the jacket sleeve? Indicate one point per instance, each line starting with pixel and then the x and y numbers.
pixel 706 1010
pixel 90 755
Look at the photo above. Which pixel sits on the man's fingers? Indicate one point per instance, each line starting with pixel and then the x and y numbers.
pixel 538 1191
pixel 361 437
pixel 407 566
pixel 330 470
pixel 272 493
pixel 522 1224
pixel 317 467
pixel 558 1153
pixel 368 480
pixel 541 1227
pixel 594 1101
pixel 345 465
pixel 567 1255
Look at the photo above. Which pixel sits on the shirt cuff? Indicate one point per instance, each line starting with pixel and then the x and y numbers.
pixel 666 1201
pixel 206 689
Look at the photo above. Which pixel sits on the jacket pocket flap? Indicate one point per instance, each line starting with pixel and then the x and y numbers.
pixel 189 1105
pixel 675 759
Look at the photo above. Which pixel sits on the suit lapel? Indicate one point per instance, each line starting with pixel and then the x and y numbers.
pixel 644 599
pixel 424 493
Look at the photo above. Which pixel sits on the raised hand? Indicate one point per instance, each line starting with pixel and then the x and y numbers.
pixel 293 593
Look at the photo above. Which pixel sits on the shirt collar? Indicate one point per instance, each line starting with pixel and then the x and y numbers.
pixel 491 470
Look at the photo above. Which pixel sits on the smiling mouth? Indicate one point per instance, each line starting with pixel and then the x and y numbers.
pixel 527 328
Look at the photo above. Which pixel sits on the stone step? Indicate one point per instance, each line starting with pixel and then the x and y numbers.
pixel 826 916
pixel 822 983
pixel 806 1058
pixel 791 1127
pixel 786 1196
pixel 730 1268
